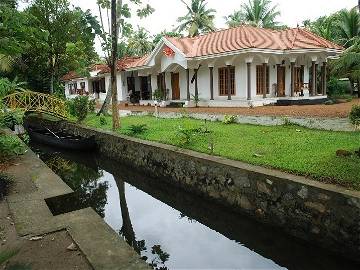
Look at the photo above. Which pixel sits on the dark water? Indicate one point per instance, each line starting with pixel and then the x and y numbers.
pixel 172 229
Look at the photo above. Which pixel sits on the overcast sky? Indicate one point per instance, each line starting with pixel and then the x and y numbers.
pixel 167 11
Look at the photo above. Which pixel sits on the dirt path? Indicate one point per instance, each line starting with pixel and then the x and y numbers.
pixel 340 110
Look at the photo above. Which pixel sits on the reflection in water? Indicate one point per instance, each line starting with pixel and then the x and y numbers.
pixel 171 229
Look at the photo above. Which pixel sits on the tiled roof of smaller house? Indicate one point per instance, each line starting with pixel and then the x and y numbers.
pixel 70 76
pixel 246 37
pixel 122 64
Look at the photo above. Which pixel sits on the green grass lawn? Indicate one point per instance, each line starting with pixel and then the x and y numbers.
pixel 292 149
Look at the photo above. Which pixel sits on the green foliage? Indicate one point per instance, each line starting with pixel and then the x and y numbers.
pixel 102 120
pixel 11 146
pixel 70 104
pixel 158 95
pixel 355 115
pixel 348 64
pixel 81 107
pixel 8 87
pixel 139 42
pixel 137 129
pixel 258 13
pixel 92 105
pixel 337 87
pixel 165 33
pixel 199 18
pixel 229 119
pixel 196 100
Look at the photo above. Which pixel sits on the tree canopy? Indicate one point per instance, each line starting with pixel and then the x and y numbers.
pixel 199 18
pixel 258 13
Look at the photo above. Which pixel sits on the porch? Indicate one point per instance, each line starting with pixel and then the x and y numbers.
pixel 241 81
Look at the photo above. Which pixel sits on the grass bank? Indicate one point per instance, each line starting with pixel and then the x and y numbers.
pixel 293 149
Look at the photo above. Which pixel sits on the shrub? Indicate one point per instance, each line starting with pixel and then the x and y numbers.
pixel 137 129
pixel 92 105
pixel 355 115
pixel 102 120
pixel 196 100
pixel 229 119
pixel 11 118
pixel 11 146
pixel 337 88
pixel 186 134
pixel 158 95
pixel 71 106
pixel 81 107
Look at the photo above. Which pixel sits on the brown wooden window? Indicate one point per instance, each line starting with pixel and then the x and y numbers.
pixel 260 80
pixel 223 81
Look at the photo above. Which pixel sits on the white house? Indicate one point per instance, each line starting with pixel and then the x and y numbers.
pixel 237 67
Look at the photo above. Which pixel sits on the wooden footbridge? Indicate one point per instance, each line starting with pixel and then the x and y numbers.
pixel 30 101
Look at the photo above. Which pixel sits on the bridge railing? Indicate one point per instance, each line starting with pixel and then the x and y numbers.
pixel 37 102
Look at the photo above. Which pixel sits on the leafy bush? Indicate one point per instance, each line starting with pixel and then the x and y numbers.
pixel 229 119
pixel 102 120
pixel 137 129
pixel 92 105
pixel 11 146
pixel 158 95
pixel 70 104
pixel 355 115
pixel 81 107
pixel 11 118
pixel 337 88
pixel 8 87
pixel 185 134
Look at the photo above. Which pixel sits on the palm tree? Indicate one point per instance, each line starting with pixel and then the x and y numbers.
pixel 349 26
pixel 257 13
pixel 139 42
pixel 6 63
pixel 348 65
pixel 198 20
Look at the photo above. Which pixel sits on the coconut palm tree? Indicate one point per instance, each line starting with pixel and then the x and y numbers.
pixel 349 26
pixel 199 18
pixel 139 42
pixel 348 65
pixel 257 13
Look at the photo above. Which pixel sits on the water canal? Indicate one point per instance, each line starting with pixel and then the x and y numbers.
pixel 172 229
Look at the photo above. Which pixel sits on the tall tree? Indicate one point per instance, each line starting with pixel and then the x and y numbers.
pixel 348 65
pixel 124 12
pixel 64 26
pixel 139 42
pixel 114 42
pixel 349 26
pixel 199 18
pixel 259 13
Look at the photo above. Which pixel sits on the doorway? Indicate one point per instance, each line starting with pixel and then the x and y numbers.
pixel 281 81
pixel 175 86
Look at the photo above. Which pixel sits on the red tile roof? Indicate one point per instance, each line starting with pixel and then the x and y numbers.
pixel 121 65
pixel 245 37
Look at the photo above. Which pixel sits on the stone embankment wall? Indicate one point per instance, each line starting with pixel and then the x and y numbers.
pixel 325 214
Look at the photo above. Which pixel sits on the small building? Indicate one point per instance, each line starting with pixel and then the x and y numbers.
pixel 237 67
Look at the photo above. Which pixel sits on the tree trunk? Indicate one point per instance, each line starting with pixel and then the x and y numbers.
pixel 114 40
pixel 358 86
pixel 105 106
pixel 126 229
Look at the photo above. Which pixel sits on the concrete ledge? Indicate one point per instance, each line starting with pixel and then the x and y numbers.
pixel 325 214
pixel 101 245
